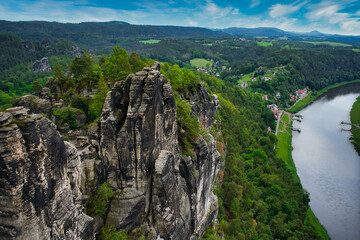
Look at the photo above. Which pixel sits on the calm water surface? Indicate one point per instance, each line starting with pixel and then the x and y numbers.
pixel 328 165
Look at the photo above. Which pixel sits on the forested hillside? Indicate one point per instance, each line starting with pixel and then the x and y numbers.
pixel 260 198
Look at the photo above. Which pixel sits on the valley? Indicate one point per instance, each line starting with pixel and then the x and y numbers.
pixel 168 131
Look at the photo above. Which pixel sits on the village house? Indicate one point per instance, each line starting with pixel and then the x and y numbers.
pixel 223 67
pixel 301 92
pixel 266 78
pixel 277 95
pixel 276 113
pixel 253 79
pixel 265 97
pixel 273 106
pixel 293 98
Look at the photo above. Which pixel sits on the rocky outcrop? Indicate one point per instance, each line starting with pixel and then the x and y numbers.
pixel 137 142
pixel 204 106
pixel 40 180
pixel 76 51
pixel 36 104
pixel 41 65
pixel 134 148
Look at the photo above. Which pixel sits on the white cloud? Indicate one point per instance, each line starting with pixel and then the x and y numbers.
pixel 329 15
pixel 280 10
pixel 236 11
pixel 254 3
pixel 192 22
pixel 211 9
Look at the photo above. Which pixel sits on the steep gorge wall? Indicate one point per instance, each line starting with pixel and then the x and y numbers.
pixel 134 148
pixel 40 178
pixel 171 194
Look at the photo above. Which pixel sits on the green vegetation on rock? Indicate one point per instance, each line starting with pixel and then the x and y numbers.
pixel 111 233
pixel 99 203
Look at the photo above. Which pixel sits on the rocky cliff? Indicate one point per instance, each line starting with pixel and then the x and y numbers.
pixel 134 147
pixel 41 65
pixel 157 186
pixel 40 179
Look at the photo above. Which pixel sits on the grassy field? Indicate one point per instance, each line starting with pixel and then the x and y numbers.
pixel 246 77
pixel 208 44
pixel 333 44
pixel 151 41
pixel 355 119
pixel 284 148
pixel 283 151
pixel 312 96
pixel 264 44
pixel 356 50
pixel 200 62
pixel 312 220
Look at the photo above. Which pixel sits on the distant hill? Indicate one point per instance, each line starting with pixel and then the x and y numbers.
pixel 253 32
pixel 38 30
pixel 275 33
pixel 101 37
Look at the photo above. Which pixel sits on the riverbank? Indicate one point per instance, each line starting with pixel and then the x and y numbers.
pixel 314 95
pixel 283 151
pixel 355 119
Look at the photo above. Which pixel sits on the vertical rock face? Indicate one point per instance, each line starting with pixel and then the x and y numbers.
pixel 134 148
pixel 138 147
pixel 41 65
pixel 39 190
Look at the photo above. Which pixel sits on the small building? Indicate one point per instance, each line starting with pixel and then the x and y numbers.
pixel 273 106
pixel 266 78
pixel 253 79
pixel 265 97
pixel 276 113
pixel 301 92
pixel 244 84
pixel 223 67
pixel 277 95
pixel 293 98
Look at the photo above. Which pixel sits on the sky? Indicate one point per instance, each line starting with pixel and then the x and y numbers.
pixel 326 16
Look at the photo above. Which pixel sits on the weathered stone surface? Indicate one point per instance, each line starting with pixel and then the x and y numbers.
pixel 36 104
pixel 140 158
pixel 76 51
pixel 41 65
pixel 204 106
pixel 134 147
pixel 39 190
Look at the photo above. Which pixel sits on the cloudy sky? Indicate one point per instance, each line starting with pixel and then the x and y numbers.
pixel 327 16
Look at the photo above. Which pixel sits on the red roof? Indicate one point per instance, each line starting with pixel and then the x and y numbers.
pixel 301 91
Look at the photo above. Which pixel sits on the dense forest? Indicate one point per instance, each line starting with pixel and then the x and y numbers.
pixel 260 197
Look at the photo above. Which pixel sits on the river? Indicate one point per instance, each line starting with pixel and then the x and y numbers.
pixel 327 163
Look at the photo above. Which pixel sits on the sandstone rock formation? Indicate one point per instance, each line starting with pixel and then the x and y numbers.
pixel 41 65
pixel 141 160
pixel 40 173
pixel 134 148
